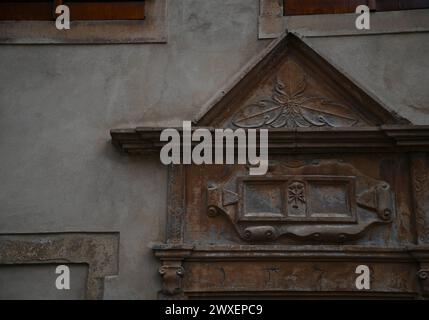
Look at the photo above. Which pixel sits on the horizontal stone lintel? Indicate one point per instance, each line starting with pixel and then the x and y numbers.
pixel 279 252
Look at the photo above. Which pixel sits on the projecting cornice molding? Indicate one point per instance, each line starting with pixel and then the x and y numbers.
pixel 363 139
pixel 307 105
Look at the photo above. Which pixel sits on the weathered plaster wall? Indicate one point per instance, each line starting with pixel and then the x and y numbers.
pixel 392 67
pixel 58 169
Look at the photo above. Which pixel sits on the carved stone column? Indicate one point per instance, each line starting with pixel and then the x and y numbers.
pixel 176 210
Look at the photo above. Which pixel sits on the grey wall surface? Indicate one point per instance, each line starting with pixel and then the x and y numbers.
pixel 393 68
pixel 18 282
pixel 59 171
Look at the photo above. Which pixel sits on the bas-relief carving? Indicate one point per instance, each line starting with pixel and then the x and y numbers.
pixel 323 205
pixel 421 254
pixel 298 182
pixel 176 205
pixel 294 277
pixel 291 105
pixel 271 22
pixel 420 182
pixel 172 278
pixel 296 199
pixel 423 275
pixel 172 269
pixel 329 201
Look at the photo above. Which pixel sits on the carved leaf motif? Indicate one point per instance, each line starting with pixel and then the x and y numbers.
pixel 291 80
pixel 314 110
pixel 288 106
pixel 257 115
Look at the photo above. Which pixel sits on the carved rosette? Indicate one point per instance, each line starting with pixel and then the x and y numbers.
pixel 296 198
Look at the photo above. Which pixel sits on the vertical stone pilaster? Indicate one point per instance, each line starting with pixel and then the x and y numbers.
pixel 176 203
pixel 420 191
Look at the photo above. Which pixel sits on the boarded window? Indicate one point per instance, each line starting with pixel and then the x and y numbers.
pixel 79 9
pixel 303 7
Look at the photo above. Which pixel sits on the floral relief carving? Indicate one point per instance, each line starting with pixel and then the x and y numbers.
pixel 420 178
pixel 290 107
pixel 296 194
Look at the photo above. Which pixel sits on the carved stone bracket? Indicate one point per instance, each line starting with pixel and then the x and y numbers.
pixel 172 274
pixel 421 254
pixel 305 202
pixel 423 275
pixel 172 270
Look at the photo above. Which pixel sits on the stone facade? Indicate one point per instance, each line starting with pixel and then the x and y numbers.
pixel 63 182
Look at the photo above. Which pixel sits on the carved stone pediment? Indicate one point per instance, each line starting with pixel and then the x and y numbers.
pixel 346 186
pixel 293 87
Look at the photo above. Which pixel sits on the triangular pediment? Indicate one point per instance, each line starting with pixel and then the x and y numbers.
pixel 291 86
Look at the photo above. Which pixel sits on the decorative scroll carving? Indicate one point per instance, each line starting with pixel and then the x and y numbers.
pixel 423 275
pixel 420 186
pixel 172 270
pixel 290 107
pixel 421 255
pixel 303 203
pixel 172 278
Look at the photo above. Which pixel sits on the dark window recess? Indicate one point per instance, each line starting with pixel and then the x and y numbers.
pixel 79 9
pixel 303 7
